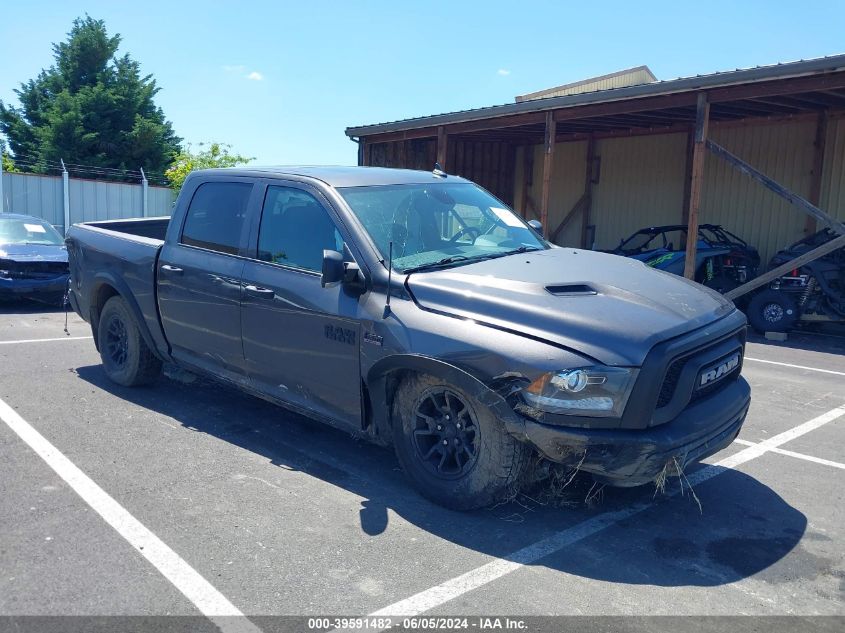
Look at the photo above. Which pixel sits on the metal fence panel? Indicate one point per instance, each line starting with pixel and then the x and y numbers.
pixel 90 200
pixel 30 194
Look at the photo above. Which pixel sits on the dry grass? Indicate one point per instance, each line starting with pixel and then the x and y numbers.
pixel 667 471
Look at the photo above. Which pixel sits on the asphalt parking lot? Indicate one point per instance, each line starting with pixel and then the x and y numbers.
pixel 269 513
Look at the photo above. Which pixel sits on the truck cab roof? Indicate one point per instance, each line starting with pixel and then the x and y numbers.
pixel 337 176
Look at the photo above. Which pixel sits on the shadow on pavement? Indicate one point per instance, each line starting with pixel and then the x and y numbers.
pixel 745 528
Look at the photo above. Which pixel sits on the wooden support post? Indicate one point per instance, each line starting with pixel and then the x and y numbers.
pixel 363 153
pixel 527 177
pixel 702 117
pixel 548 155
pixel 402 155
pixel 588 189
pixel 442 139
pixel 688 173
pixel 810 225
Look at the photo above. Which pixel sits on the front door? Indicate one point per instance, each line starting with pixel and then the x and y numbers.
pixel 199 280
pixel 300 340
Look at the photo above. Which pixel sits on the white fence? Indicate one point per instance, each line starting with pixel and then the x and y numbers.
pixel 62 200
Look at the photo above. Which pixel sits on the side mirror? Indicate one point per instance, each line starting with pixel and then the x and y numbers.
pixel 336 271
pixel 333 268
pixel 537 226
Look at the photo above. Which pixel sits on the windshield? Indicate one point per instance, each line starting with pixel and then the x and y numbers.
pixel 438 224
pixel 27 231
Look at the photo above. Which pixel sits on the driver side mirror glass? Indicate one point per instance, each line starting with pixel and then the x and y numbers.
pixel 537 226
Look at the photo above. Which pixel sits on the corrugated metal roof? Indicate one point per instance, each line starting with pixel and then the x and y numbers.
pixel 622 78
pixel 673 86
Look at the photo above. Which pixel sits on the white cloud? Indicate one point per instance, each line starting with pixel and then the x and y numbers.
pixel 255 76
pixel 503 72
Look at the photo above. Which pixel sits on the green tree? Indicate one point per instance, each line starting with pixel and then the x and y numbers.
pixel 92 107
pixel 8 163
pixel 217 155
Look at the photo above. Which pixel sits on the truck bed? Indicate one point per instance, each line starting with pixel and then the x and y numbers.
pixel 153 228
pixel 123 253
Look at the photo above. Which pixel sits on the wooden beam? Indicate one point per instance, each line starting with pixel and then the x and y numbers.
pixel 792 264
pixel 441 147
pixel 810 225
pixel 548 155
pixel 588 189
pixel 568 217
pixel 363 152
pixel 688 175
pixel 527 177
pixel 802 203
pixel 702 119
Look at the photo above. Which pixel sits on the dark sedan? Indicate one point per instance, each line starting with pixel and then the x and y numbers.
pixel 33 259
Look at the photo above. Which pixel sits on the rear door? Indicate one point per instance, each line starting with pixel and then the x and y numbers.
pixel 199 279
pixel 300 340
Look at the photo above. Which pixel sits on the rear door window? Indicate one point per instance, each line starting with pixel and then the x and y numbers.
pixel 216 216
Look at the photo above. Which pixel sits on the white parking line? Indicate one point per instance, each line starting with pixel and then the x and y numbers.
pixel 773 362
pixel 809 458
pixel 185 578
pixel 47 340
pixel 451 589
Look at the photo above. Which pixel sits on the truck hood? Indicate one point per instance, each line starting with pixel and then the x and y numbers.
pixel 611 308
pixel 33 252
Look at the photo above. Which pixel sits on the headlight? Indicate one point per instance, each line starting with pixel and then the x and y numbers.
pixel 588 391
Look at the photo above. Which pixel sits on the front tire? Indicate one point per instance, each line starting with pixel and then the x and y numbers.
pixel 453 448
pixel 127 359
pixel 772 311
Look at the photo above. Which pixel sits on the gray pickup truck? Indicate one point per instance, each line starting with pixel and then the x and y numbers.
pixel 415 309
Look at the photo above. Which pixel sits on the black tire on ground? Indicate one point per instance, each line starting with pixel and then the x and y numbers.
pixel 127 360
pixel 772 311
pixel 481 463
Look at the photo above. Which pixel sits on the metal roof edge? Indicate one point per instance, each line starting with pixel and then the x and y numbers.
pixel 682 84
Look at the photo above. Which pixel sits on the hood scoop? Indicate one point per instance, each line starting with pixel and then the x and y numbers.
pixel 569 290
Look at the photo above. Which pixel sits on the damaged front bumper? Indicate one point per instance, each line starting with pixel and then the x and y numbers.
pixel 634 457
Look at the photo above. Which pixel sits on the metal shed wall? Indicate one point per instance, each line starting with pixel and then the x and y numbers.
pixel 641 184
pixel 833 175
pixel 566 187
pixel 783 151
pixel 642 180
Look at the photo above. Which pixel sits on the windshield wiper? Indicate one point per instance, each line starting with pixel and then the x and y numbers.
pixel 514 251
pixel 440 262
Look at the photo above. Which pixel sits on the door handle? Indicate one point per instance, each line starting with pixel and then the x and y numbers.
pixel 171 269
pixel 263 293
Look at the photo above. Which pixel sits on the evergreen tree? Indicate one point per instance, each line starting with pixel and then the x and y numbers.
pixel 92 107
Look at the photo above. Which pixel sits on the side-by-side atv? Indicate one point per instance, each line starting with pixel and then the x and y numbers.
pixel 814 292
pixel 723 260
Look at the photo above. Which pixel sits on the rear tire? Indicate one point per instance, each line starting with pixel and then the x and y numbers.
pixel 127 359
pixel 479 464
pixel 772 311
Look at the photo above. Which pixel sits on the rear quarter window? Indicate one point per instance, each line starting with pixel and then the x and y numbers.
pixel 216 216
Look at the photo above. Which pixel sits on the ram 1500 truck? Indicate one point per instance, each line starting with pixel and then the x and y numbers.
pixel 417 310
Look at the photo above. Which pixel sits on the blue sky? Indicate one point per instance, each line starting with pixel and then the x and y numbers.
pixel 281 81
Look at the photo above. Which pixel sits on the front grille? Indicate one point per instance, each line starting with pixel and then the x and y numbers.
pixel 34 270
pixel 670 381
pixel 673 375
